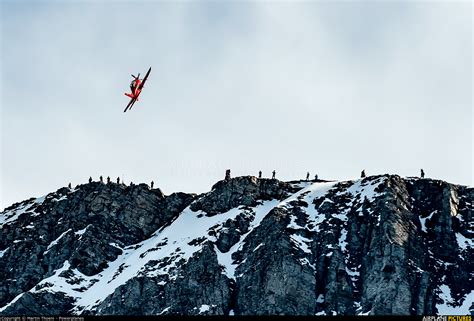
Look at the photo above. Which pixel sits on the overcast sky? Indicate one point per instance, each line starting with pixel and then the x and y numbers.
pixel 326 87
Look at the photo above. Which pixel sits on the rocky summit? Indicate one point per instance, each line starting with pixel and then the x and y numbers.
pixel 380 245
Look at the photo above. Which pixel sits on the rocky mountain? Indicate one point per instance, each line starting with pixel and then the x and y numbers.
pixel 381 245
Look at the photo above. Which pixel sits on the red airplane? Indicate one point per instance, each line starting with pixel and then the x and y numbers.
pixel 136 87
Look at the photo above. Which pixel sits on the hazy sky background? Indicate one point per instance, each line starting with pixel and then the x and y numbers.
pixel 326 87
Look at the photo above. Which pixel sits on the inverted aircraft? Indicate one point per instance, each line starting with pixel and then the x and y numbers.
pixel 136 87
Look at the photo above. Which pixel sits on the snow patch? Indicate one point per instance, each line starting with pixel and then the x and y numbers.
pixel 308 194
pixel 53 243
pixel 80 232
pixel 204 308
pixel 115 245
pixel 342 217
pixel 8 217
pixel 12 301
pixel 364 313
pixel 305 261
pixel 301 184
pixel 423 220
pixel 342 240
pixel 301 242
pixel 40 200
pixel 352 273
pixel 362 190
pixel 13 214
pixel 57 283
pixel 2 252
pixel 463 242
pixel 293 223
pixel 311 192
pixel 447 307
pixel 59 199
pixel 165 310
pixel 412 264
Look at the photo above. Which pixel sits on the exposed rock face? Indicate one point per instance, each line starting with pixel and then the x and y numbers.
pixel 88 227
pixel 199 282
pixel 381 245
pixel 246 190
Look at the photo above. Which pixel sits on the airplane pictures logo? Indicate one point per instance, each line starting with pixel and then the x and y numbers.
pixel 448 318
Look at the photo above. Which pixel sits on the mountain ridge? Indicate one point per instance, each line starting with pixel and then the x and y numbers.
pixel 377 245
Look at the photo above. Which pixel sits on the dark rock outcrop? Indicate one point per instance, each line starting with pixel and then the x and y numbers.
pixel 89 226
pixel 244 190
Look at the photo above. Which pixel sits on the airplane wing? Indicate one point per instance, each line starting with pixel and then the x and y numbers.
pixel 129 108
pixel 144 79
pixel 130 104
